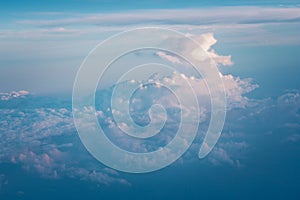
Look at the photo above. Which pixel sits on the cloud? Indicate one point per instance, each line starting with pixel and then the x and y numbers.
pixel 295 137
pixel 205 41
pixel 235 87
pixel 172 59
pixel 238 25
pixel 50 146
pixel 289 101
pixel 48 126
pixel 13 95
pixel 220 156
pixel 55 153
pixel 60 30
pixel 227 15
pixel 2 182
pixel 230 150
pixel 55 164
pixel 104 177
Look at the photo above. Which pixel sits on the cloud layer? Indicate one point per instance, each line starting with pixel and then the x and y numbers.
pixel 13 95
pixel 49 140
pixel 227 15
pixel 249 25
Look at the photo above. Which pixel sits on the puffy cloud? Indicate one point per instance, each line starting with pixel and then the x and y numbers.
pixel 144 96
pixel 44 123
pixel 219 155
pixel 230 150
pixel 53 152
pixel 290 101
pixel 235 87
pixel 13 95
pixel 56 164
pixel 205 41
pixel 49 143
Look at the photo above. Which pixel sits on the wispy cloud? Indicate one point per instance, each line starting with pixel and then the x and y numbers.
pixel 240 25
pixel 222 15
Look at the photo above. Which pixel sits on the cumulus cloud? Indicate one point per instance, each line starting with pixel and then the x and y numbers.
pixel 13 95
pixel 144 97
pixel 230 150
pixel 235 88
pixel 49 144
pixel 205 41
pixel 55 164
pixel 219 156
pixel 48 134
pixel 53 152
pixel 42 128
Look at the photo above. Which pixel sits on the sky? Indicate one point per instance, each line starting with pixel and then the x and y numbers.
pixel 43 42
pixel 253 45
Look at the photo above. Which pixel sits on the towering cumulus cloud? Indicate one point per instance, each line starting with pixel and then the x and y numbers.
pixel 49 141
pixel 235 87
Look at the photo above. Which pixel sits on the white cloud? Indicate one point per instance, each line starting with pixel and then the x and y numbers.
pixel 290 101
pixel 168 57
pixel 103 177
pixel 55 164
pixel 60 30
pixel 47 149
pixel 238 25
pixel 205 41
pixel 219 156
pixel 13 95
pixel 235 88
pixel 40 153
pixel 227 15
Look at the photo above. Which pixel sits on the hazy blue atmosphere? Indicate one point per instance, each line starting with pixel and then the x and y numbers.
pixel 256 47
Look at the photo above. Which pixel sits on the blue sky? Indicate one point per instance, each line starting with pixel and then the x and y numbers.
pixel 78 5
pixel 255 45
pixel 46 42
